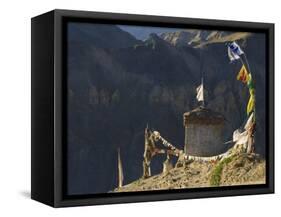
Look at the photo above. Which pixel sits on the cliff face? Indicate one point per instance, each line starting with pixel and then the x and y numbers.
pixel 117 84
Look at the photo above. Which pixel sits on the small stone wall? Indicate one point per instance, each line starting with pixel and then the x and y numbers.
pixel 204 139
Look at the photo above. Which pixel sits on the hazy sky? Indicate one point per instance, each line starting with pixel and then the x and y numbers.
pixel 142 32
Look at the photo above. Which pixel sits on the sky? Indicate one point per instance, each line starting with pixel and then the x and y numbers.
pixel 142 33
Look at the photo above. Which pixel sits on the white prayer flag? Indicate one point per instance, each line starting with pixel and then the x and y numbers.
pixel 232 56
pixel 240 138
pixel 236 135
pixel 250 122
pixel 200 93
pixel 235 49
pixel 243 138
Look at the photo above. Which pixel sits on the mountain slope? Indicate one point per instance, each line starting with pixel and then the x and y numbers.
pixel 199 38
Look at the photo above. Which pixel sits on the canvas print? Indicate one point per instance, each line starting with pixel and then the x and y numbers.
pixel 157 108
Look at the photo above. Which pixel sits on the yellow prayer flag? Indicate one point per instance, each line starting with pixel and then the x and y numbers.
pixel 243 75
pixel 251 104
pixel 252 92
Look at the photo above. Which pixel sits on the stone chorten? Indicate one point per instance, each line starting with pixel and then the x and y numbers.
pixel 203 132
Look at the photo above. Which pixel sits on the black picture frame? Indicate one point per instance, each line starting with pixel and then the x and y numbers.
pixel 49 102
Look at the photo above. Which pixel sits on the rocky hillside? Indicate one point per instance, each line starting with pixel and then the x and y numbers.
pixel 199 38
pixel 240 169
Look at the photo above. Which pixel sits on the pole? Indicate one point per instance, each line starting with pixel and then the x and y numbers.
pixel 120 170
pixel 202 78
pixel 250 148
pixel 202 81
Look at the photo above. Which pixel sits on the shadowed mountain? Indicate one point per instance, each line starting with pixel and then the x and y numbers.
pixel 99 35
